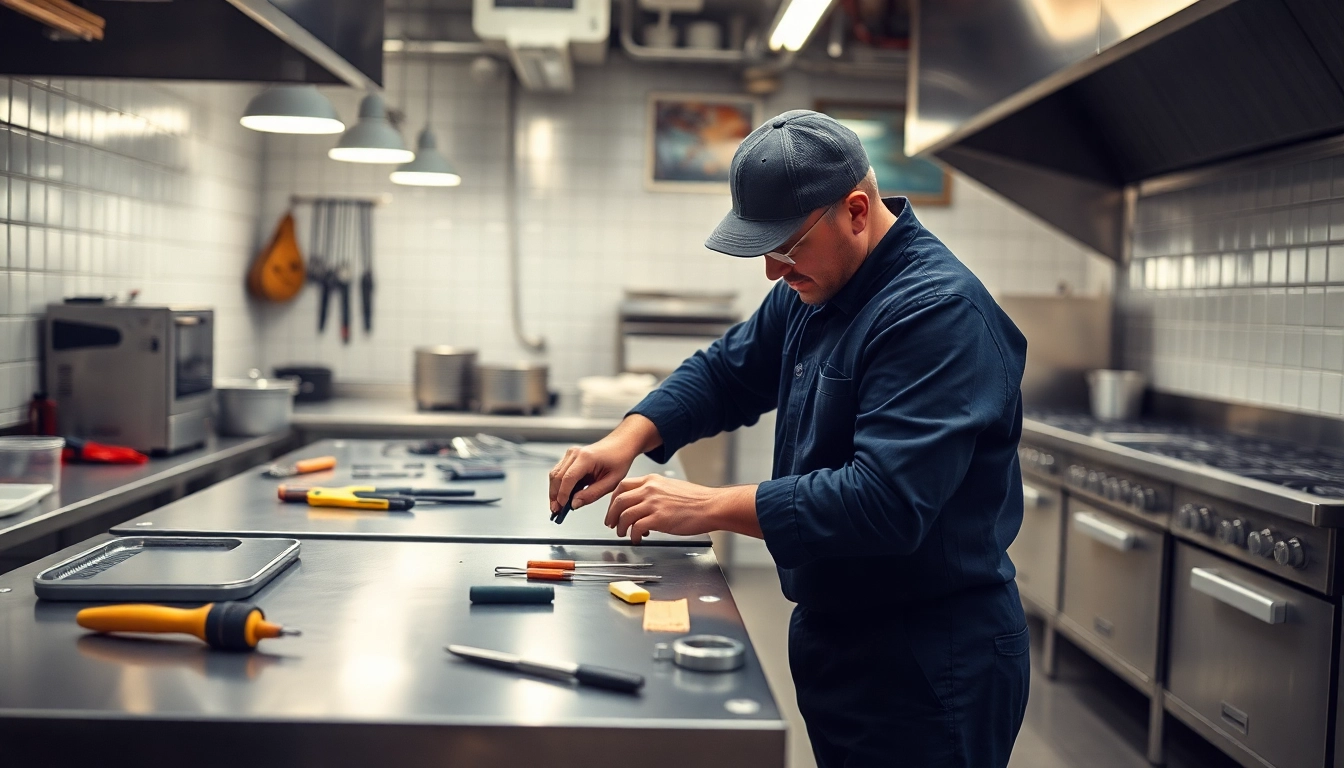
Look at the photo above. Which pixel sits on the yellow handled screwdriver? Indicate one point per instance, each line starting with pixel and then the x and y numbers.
pixel 231 626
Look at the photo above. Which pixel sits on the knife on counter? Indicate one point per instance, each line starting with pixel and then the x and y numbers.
pixel 583 674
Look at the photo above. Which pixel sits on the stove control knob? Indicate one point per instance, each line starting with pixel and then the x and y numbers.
pixel 1145 499
pixel 1207 521
pixel 1126 492
pixel 1291 553
pixel 1047 464
pixel 1112 488
pixel 1094 481
pixel 1232 532
pixel 1077 475
pixel 1185 516
pixel 1260 543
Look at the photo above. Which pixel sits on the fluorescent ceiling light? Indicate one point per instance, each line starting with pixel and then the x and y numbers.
pixel 291 109
pixel 796 23
pixel 429 168
pixel 372 139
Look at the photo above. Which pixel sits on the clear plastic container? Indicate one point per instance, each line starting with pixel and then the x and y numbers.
pixel 34 460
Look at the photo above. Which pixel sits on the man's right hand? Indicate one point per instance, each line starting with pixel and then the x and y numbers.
pixel 605 462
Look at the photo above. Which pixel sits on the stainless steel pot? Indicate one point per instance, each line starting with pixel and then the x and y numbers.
pixel 1116 395
pixel 254 406
pixel 443 377
pixel 512 387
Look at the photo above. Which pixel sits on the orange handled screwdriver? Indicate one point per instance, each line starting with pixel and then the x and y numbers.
pixel 556 574
pixel 303 467
pixel 569 565
pixel 227 626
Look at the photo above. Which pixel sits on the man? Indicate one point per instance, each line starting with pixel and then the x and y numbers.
pixel 896 487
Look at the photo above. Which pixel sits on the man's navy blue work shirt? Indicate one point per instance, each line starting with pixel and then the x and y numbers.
pixel 895 468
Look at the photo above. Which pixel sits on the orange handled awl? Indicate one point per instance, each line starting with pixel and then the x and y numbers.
pixel 226 626
pixel 569 565
pixel 303 467
pixel 558 574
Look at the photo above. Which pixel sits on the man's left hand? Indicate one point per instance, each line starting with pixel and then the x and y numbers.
pixel 657 503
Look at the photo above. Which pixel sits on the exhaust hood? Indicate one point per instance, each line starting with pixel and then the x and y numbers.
pixel 1060 105
pixel 297 41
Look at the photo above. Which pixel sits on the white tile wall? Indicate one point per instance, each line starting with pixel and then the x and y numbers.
pixel 109 186
pixel 589 226
pixel 1236 292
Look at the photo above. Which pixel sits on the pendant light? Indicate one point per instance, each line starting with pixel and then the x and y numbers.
pixel 429 168
pixel 291 109
pixel 372 139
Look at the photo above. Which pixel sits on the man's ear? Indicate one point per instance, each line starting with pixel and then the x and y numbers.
pixel 857 203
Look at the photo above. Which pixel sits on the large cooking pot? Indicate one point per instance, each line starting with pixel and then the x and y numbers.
pixel 443 377
pixel 254 406
pixel 512 387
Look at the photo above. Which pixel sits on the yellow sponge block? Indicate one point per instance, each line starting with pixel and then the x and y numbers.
pixel 629 591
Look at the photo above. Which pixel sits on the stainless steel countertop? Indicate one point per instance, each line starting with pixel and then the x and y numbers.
pixel 368 682
pixel 398 417
pixel 1302 507
pixel 247 504
pixel 88 490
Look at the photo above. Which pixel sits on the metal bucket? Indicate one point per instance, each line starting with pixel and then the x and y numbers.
pixel 254 406
pixel 443 377
pixel 1116 395
pixel 513 388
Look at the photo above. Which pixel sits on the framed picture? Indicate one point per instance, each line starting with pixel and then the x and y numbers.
pixel 692 138
pixel 881 128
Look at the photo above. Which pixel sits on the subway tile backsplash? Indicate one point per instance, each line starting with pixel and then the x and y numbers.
pixel 1236 288
pixel 110 186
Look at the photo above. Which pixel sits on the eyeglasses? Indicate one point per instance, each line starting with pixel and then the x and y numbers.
pixel 784 256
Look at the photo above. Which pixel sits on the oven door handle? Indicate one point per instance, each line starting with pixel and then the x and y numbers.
pixel 1116 537
pixel 1266 608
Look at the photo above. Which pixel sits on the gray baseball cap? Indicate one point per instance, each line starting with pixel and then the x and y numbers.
pixel 791 165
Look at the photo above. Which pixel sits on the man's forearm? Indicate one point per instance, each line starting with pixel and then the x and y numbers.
pixel 638 432
pixel 735 511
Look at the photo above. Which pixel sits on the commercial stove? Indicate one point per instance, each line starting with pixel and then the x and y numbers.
pixel 1199 565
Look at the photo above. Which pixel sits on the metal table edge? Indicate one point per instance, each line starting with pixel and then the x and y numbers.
pixel 129 529
pixel 744 724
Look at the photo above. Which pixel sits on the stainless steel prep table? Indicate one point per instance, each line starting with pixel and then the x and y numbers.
pixel 90 490
pixel 368 682
pixel 247 505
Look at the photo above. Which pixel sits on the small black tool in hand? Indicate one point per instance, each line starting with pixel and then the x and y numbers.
pixel 559 517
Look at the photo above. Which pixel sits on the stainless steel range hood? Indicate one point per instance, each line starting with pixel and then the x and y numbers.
pixel 1060 104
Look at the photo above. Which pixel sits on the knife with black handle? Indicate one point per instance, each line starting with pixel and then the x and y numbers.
pixel 583 674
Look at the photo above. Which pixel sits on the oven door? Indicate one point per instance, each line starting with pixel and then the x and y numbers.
pixel 1113 588
pixel 1250 659
pixel 1035 551
pixel 193 353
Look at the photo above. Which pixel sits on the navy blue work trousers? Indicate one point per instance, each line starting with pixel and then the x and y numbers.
pixel 936 684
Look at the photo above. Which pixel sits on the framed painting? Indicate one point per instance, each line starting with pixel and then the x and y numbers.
pixel 692 138
pixel 881 128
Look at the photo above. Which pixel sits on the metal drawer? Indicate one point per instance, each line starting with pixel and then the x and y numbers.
pixel 1251 657
pixel 1113 585
pixel 1035 551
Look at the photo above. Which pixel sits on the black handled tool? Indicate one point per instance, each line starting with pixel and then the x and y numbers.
pixel 366 279
pixel 584 674
pixel 559 517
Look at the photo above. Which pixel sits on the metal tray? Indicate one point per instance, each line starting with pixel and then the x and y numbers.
pixel 168 568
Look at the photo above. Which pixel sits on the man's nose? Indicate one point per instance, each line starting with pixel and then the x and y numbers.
pixel 775 269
